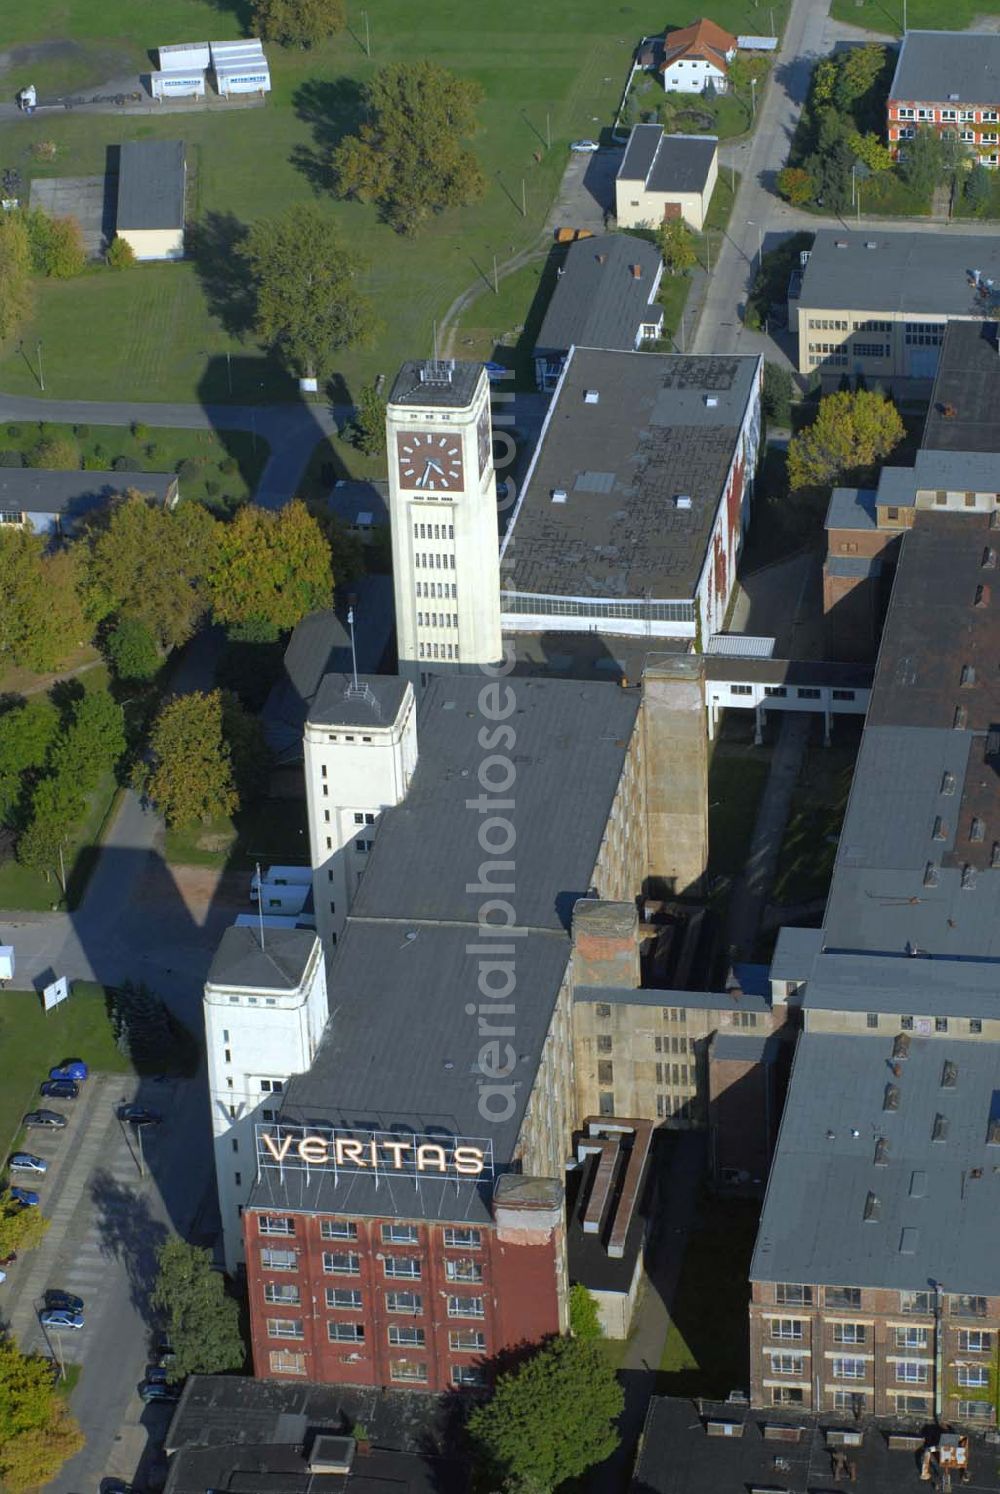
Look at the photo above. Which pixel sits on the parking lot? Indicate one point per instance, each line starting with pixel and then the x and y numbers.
pixel 587 191
pixel 81 197
pixel 107 1222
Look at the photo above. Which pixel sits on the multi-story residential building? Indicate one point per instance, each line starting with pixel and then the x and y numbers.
pixel 874 1288
pixel 265 1010
pixel 632 514
pixel 877 304
pixel 443 510
pixel 949 82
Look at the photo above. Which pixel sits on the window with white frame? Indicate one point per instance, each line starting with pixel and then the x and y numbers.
pixel 410 1302
pixel 463 1239
pixel 400 1267
pixel 284 1362
pixel 912 1371
pixel 338 1229
pixel 975 1341
pixel 912 1338
pixel 467 1341
pixel 786 1328
pixel 849 1369
pixel 276 1291
pixel 463 1270
pixel 340 1297
pixel 467 1374
pixel 285 1328
pixel 414 1371
pixel 276 1224
pixel 403 1336
pixel 345 1333
pixel 911 1405
pixel 466 1307
pixel 341 1263
pixel 849 1333
pixel 975 1411
pixel 787 1364
pixel 849 1400
pixel 973 1376
pixel 400 1234
pixel 279 1260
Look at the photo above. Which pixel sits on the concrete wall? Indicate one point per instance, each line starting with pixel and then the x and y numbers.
pixel 676 762
pixel 615 1309
pixel 160 243
pixel 637 207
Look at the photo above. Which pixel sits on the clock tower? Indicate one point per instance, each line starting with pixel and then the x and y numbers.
pixel 443 511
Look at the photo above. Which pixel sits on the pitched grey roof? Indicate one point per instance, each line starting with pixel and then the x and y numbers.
pixel 959 470
pixel 279 966
pixel 948 67
pixel 794 953
pixel 962 415
pixel 928 274
pixel 376 702
pixel 319 644
pixel 667 163
pixel 693 1000
pixel 851 508
pixel 598 301
pixel 932 1217
pixel 664 425
pixel 955 987
pixel 35 491
pixel 422 382
pixel 151 176
pixel 897 487
pixel 853 565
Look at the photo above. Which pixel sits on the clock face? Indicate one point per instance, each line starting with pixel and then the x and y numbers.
pixel 429 460
pixel 485 435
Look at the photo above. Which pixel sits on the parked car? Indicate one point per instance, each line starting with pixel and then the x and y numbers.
pixel 45 1120
pixel 584 146
pixel 27 1162
pixel 59 1089
pixel 139 1115
pixel 26 1197
pixel 153 1390
pixel 56 1299
pixel 8 1260
pixel 118 1486
pixel 3 1276
pixel 58 1317
pixel 70 1068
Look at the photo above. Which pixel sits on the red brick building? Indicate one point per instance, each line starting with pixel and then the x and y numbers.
pixel 950 82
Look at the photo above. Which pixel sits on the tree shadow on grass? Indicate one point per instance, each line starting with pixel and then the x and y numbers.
pixel 214 244
pixel 333 108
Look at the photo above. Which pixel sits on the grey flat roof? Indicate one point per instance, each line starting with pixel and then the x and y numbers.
pixel 279 966
pixel 696 1000
pixel 948 67
pixel 598 301
pixel 430 384
pixel 746 1047
pixel 922 273
pixel 36 491
pixel 621 462
pixel 418 1065
pixel 854 565
pixel 953 986
pixel 375 702
pixel 151 177
pixel 667 163
pixel 934 1220
pixel 572 741
pixel 828 673
pixel 897 487
pixel 851 508
pixel 962 415
pixel 794 952
pixel 959 470
pixel 350 498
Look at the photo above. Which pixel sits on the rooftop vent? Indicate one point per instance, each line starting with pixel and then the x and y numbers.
pixel 331 1454
pixel 591 396
pixel 871 244
pixel 873 1209
pixel 960 720
pixel 711 401
pixel 977 830
pixel 947 782
pixel 901 1045
pixel 918 1184
pixel 682 500
pixel 881 1152
pixel 968 878
pixel 909 1239
pixel 930 874
pixel 968 675
pixel 982 597
pixel 953 98
pixel 558 495
pixel 437 371
pixel 601 258
pixel 890 1100
pixel 636 271
pixel 989 560
pixel 949 1074
pixel 940 831
pixel 840 243
pixel 939 1130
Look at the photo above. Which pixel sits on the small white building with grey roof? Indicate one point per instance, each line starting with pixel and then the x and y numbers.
pixel 665 176
pixel 152 178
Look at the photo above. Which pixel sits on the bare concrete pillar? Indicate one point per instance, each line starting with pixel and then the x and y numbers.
pixel 676 764
pixel 758 725
pixel 605 944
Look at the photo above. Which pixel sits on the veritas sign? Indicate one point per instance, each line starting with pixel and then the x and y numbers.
pixel 378 1153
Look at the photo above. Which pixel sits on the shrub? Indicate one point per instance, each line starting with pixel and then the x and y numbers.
pixel 13 431
pixel 119 464
pixel 140 431
pixel 120 255
pixel 45 150
pixel 132 651
pixel 56 452
pixel 99 450
pixel 189 470
pixel 93 463
pixel 151 450
pixel 11 459
pixel 229 465
pixel 211 487
pixel 82 432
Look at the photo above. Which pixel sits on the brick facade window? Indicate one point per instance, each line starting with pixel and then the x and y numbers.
pixel 285 1328
pixel 279 1260
pixel 345 1333
pixel 467 1341
pixel 402 1266
pixel 463 1239
pixel 466 1307
pixel 410 1302
pixel 338 1229
pixel 341 1263
pixel 283 1362
pixel 276 1224
pixel 787 1294
pixel 408 1369
pixel 402 1336
pixel 400 1234
pixel 341 1297
pixel 463 1271
pixel 279 1292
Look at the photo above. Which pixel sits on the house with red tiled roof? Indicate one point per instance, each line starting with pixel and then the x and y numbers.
pixel 696 55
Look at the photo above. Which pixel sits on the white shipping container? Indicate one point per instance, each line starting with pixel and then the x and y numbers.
pixel 185 57
pixel 225 53
pixel 178 85
pixel 253 79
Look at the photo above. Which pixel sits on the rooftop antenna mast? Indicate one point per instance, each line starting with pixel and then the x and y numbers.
pixel 260 905
pixel 354 652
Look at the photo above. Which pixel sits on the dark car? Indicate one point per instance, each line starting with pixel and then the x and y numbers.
pixel 118 1486
pixel 71 1068
pixel 45 1120
pixel 59 1089
pixel 26 1197
pixel 65 1300
pixel 153 1390
pixel 139 1115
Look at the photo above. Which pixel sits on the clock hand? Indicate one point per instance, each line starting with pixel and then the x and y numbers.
pixel 437 469
pixel 422 479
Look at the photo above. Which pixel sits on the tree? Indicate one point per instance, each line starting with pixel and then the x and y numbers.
pixel 304 282
pixel 777 394
pixel 298 23
pixel 869 149
pixel 38 625
pixel 150 564
pixel 550 1419
pixel 675 242
pixel 584 1319
pixel 57 453
pixel 202 1321
pixel 120 255
pixel 795 185
pixel 850 431
pixel 857 74
pixel 978 189
pixel 824 79
pixel 409 156
pixel 131 650
pixel 92 743
pixel 271 567
pixel 37 1433
pixel 921 163
pixel 369 422
pixel 191 775
pixel 21 1229
pixel 248 749
pixel 15 273
pixel 28 730
pixel 66 255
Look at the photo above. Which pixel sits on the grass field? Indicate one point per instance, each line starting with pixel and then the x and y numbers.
pixel 805 861
pixel 706 1349
pixel 32 1042
pixel 921 15
pixel 736 779
pixel 161 450
pixel 272 831
pixel 162 332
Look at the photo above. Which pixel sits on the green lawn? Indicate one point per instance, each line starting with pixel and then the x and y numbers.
pixel 162 332
pixel 921 15
pixel 271 831
pixel 32 1041
pixel 805 861
pixel 161 450
pixel 334 458
pixel 706 1349
pixel 727 115
pixel 736 779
